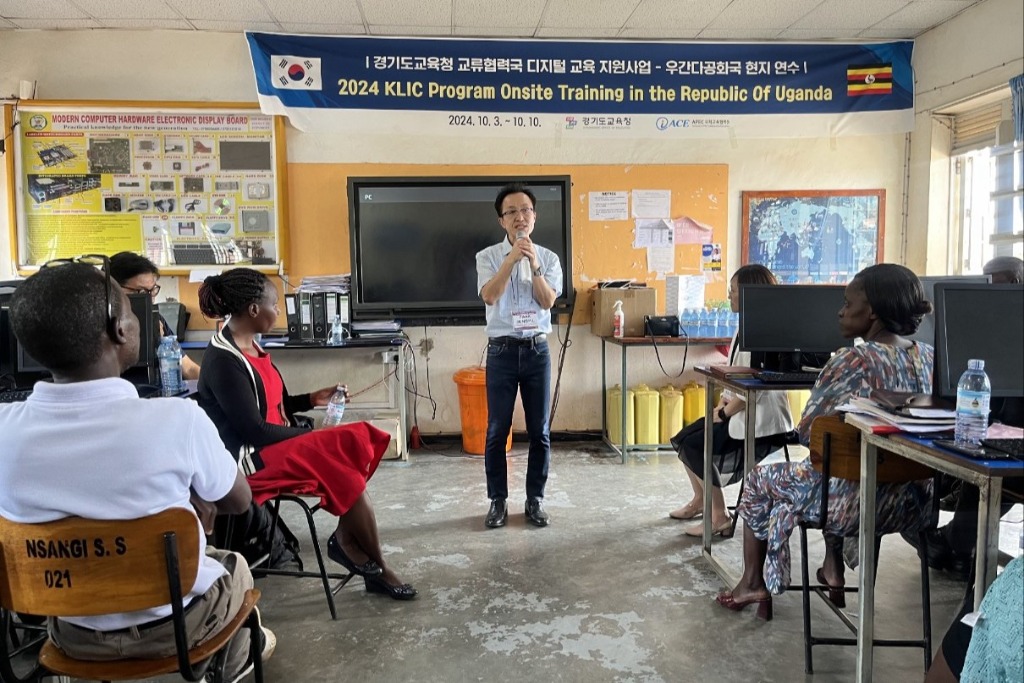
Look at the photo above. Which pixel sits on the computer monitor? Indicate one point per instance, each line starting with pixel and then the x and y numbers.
pixel 27 369
pixel 979 321
pixel 791 318
pixel 926 331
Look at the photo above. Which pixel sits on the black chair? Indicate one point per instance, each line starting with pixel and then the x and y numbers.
pixel 835 452
pixel 262 566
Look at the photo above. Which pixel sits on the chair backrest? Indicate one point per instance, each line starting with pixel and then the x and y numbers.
pixel 844 458
pixel 80 567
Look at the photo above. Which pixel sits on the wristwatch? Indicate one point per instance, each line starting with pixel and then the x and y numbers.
pixel 721 415
pixel 537 272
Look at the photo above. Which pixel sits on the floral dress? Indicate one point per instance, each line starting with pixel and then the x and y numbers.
pixel 776 498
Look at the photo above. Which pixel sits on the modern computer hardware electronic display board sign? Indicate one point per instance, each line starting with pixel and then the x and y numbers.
pixel 188 185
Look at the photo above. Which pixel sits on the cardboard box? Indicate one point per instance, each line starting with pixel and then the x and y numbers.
pixel 636 303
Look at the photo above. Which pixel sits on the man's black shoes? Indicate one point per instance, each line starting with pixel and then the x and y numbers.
pixel 535 514
pixel 497 515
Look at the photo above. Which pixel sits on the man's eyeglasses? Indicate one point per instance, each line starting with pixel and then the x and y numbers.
pixel 152 291
pixel 527 211
pixel 103 263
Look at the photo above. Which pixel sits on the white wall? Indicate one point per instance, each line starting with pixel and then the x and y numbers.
pixel 972 54
pixel 186 66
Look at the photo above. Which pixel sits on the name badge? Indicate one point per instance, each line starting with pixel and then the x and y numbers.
pixel 524 320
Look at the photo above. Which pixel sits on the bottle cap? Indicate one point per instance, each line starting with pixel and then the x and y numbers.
pixel 976 364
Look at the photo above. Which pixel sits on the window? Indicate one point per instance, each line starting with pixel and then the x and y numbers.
pixel 988 196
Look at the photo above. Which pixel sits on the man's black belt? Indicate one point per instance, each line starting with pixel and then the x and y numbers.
pixel 520 341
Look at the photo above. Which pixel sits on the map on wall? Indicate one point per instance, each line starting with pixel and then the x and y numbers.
pixel 184 187
pixel 813 236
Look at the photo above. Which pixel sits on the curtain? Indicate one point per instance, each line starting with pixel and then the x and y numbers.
pixel 1017 90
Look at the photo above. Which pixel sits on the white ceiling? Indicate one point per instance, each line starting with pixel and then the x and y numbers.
pixel 720 20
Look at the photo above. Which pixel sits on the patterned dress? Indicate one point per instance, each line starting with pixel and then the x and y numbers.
pixel 777 497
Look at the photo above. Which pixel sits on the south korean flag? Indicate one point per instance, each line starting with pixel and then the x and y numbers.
pixel 295 73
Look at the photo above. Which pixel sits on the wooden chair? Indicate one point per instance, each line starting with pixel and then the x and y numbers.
pixel 77 567
pixel 835 452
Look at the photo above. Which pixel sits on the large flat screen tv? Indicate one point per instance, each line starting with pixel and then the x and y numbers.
pixel 414 243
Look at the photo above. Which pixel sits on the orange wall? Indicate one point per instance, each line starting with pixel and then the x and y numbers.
pixel 319 237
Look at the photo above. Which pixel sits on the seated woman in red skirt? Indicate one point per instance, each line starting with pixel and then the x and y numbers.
pixel 243 393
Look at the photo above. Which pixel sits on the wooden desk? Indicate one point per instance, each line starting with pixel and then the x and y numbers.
pixel 624 344
pixel 987 475
pixel 748 389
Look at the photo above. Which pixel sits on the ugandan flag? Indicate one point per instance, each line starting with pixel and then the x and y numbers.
pixel 869 79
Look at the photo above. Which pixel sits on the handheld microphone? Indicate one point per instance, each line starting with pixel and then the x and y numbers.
pixel 525 271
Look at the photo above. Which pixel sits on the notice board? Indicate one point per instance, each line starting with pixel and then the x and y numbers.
pixel 188 185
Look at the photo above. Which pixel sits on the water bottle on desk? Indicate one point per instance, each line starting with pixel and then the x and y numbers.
pixel 337 332
pixel 336 406
pixel 168 356
pixel 972 400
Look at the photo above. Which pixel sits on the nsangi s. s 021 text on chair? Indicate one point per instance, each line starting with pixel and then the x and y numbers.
pixel 77 567
pixel 835 452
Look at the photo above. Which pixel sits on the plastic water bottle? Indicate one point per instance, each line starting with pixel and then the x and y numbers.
pixel 972 399
pixel 169 357
pixel 336 407
pixel 337 332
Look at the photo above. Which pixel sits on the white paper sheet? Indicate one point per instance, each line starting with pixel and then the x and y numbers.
pixel 661 259
pixel 652 203
pixel 200 274
pixel 653 232
pixel 609 206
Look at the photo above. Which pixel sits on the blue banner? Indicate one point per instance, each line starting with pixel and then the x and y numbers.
pixel 622 86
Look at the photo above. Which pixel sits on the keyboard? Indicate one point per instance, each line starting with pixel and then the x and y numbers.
pixel 1014 447
pixel 776 377
pixel 14 395
pixel 199 253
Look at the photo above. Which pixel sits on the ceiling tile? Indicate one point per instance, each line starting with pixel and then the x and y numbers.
pixel 234 26
pixel 316 11
pixel 762 14
pixel 843 14
pixel 659 33
pixel 884 34
pixel 40 9
pixel 419 13
pixel 818 34
pixel 738 34
pixel 55 23
pixel 577 33
pixel 922 16
pixel 582 14
pixel 222 10
pixel 498 15
pixel 142 24
pixel 397 30
pixel 325 29
pixel 668 14
pixel 493 31
pixel 118 9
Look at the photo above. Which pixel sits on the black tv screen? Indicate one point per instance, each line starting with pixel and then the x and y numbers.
pixel 414 243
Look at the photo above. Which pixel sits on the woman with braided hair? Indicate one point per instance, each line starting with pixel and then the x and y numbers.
pixel 245 396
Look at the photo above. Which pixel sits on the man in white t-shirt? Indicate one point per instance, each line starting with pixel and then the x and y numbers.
pixel 86 445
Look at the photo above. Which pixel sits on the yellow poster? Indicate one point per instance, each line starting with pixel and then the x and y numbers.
pixel 186 188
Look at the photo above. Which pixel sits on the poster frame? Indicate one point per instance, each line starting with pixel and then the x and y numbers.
pixel 16 173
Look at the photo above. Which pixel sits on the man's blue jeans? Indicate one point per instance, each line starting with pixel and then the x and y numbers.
pixel 526 368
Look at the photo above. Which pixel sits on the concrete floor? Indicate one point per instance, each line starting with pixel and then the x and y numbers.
pixel 611 591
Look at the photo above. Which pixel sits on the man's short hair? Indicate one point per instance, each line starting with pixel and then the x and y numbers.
pixel 59 315
pixel 127 264
pixel 1010 267
pixel 513 188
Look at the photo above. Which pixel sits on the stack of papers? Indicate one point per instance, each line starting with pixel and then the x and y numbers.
pixel 376 328
pixel 864 412
pixel 327 283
